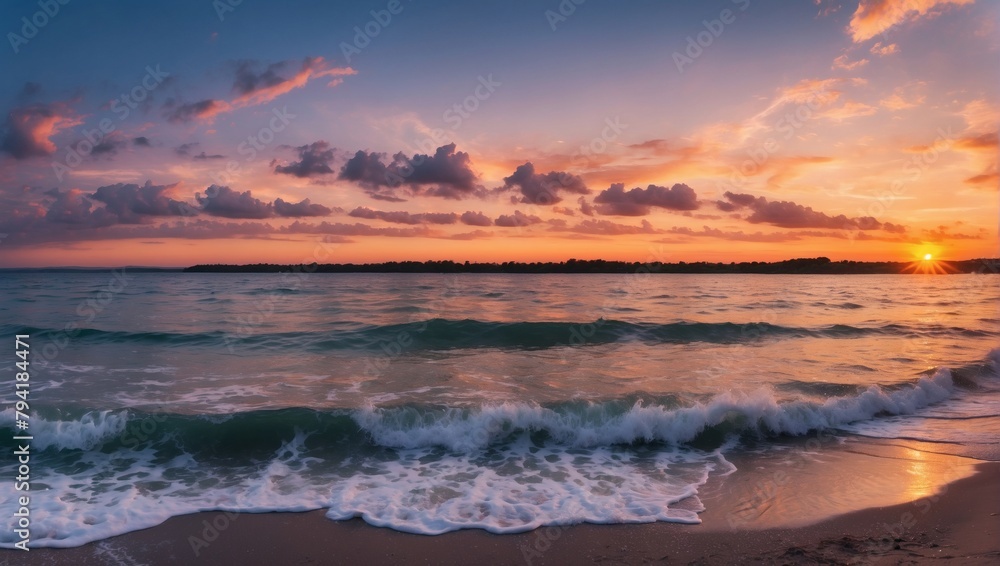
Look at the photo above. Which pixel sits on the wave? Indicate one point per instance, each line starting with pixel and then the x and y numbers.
pixel 443 334
pixel 634 419
pixel 424 469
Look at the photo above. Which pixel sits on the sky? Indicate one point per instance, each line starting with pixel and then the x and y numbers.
pixel 244 131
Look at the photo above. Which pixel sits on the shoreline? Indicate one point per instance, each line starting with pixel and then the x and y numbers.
pixel 797 266
pixel 960 522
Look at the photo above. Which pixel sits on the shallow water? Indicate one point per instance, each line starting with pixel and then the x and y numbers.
pixel 429 403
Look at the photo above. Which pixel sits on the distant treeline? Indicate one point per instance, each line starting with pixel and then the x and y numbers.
pixel 818 265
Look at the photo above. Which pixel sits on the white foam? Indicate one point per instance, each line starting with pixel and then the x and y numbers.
pixel 527 487
pixel 88 432
pixel 462 430
pixel 446 472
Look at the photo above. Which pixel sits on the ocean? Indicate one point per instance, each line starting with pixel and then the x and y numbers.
pixel 428 403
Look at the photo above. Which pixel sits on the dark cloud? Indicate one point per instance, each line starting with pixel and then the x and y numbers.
pixel 366 169
pixel 256 83
pixel 543 188
pixel 314 160
pixel 141 141
pixel 73 208
pixel 204 155
pixel 942 233
pixel 249 79
pixel 658 143
pixel 132 204
pixel 181 113
pixel 894 228
pixel 185 148
pixel 475 219
pixel 110 145
pixel 586 208
pixel 27 130
pixel 735 202
pixel 787 214
pixel 615 201
pixel 386 198
pixel 300 209
pixel 447 174
pixel 517 219
pixel 608 228
pixel 401 217
pixel 29 91
pixel 357 229
pixel 446 167
pixel 227 203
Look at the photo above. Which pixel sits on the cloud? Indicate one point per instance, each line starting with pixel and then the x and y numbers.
pixel 586 208
pixel 28 130
pixel 255 84
pixel 874 17
pixel 109 145
pixel 132 204
pixel 787 214
pixel 883 50
pixel 447 173
pixel 357 229
pixel 227 203
pixel 615 201
pixel 842 62
pixel 475 219
pixel 543 188
pixel 204 155
pixel 980 116
pixel 29 91
pixel 185 148
pixel 608 228
pixel 73 208
pixel 738 236
pixel 300 209
pixel 366 169
pixel 402 217
pixel 446 167
pixel 942 233
pixel 517 219
pixel 473 235
pixel 141 141
pixel 896 101
pixel 314 160
pixel 206 110
pixel 849 110
pixel 986 141
pixel 990 179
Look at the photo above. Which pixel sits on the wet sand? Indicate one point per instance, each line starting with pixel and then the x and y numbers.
pixel 958 525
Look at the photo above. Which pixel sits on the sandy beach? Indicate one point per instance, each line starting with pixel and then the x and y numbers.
pixel 961 525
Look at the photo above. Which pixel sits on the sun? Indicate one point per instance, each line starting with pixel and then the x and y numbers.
pixel 926 262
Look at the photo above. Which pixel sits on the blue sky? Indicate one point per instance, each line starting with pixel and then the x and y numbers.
pixel 878 81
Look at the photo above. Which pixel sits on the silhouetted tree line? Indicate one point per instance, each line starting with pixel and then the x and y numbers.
pixel 818 265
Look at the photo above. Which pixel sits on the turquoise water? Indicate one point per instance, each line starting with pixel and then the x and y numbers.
pixel 429 403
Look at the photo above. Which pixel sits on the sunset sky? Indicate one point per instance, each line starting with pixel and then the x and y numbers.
pixel 727 130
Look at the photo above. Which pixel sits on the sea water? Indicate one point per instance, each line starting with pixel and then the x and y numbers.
pixel 428 403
